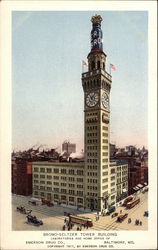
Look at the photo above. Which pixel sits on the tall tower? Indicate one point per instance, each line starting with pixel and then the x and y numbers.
pixel 96 85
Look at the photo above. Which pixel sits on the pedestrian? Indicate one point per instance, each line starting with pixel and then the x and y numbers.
pixel 120 211
pixel 140 223
pixel 87 225
pixel 65 220
pixel 64 227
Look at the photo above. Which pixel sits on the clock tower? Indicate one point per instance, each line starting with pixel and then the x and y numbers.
pixel 96 85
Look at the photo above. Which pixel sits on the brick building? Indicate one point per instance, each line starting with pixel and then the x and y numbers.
pixel 21 177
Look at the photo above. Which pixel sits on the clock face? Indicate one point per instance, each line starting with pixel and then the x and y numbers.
pixel 92 99
pixel 105 100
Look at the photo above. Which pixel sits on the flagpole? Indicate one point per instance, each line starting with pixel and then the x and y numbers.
pixel 110 69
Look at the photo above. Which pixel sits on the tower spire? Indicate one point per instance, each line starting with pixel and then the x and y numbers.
pixel 96 34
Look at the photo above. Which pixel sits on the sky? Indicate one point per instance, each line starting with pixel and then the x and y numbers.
pixel 47 96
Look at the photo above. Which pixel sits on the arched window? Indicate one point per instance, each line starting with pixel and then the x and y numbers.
pixel 103 66
pixel 98 83
pixel 94 84
pixel 91 84
pixel 88 84
pixel 93 65
pixel 98 65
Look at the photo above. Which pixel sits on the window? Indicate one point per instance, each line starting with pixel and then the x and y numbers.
pixel 42 176
pixel 72 192
pixel 105 173
pixel 71 198
pixel 98 65
pixel 112 184
pixel 105 166
pixel 71 185
pixel 103 66
pixel 105 187
pixel 42 194
pixel 63 197
pixel 105 134
pixel 49 182
pixel 113 197
pixel 93 65
pixel 79 186
pixel 49 170
pixel 63 171
pixel 56 190
pixel 63 191
pixel 35 169
pixel 71 179
pixel 42 188
pixel 71 171
pixel 35 175
pixel 42 170
pixel 35 181
pixel 79 200
pixel 56 183
pixel 56 177
pixel 79 179
pixel 42 182
pixel 49 177
pixel 63 178
pixel 112 170
pixel 56 170
pixel 63 184
pixel 79 172
pixel 80 193
pixel 49 188
pixel 56 196
pixel 49 196
pixel 112 190
pixel 105 141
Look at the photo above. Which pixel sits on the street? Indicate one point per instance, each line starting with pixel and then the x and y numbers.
pixel 53 217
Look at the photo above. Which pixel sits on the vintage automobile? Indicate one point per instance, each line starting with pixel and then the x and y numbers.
pixel 47 202
pixel 33 220
pixel 120 218
pixel 34 201
pixel 111 210
pixel 23 210
pixel 114 215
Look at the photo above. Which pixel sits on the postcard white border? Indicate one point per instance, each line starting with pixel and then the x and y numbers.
pixel 14 240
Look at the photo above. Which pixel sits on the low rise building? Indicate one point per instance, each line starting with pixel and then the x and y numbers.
pixel 65 183
pixel 122 179
pixel 61 182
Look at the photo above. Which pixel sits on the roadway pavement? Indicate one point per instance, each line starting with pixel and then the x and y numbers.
pixel 53 217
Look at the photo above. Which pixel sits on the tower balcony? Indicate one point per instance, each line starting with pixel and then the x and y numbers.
pixel 95 73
